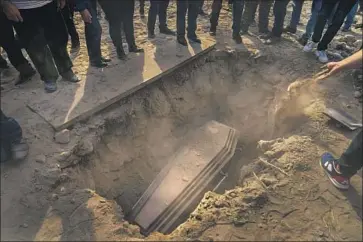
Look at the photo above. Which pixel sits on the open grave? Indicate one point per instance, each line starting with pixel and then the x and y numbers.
pixel 158 151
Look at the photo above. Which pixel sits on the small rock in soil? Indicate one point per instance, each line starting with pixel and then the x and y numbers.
pixel 40 159
pixel 336 55
pixel 357 43
pixel 357 94
pixel 24 225
pixel 350 39
pixel 62 137
pixel 63 156
pixel 344 54
pixel 340 46
pixel 85 147
pixel 54 197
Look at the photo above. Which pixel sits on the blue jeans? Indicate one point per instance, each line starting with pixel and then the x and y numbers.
pixel 314 16
pixel 296 13
pixel 350 17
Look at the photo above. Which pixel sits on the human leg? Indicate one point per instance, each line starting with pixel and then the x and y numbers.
pixel 323 14
pixel 214 17
pixel 237 18
pixel 339 171
pixel 162 12
pixel 13 50
pixel 128 24
pixel 343 9
pixel 350 17
pixel 55 32
pixel 263 18
pixel 193 7
pixel 153 12
pixel 248 15
pixel 296 14
pixel 279 16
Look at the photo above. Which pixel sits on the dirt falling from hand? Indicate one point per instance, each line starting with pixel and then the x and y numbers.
pixel 289 103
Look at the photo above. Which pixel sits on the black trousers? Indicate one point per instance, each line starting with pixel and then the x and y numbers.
pixel 236 12
pixel 352 158
pixel 45 37
pixel 342 11
pixel 157 8
pixel 10 45
pixel 120 13
pixel 192 7
pixel 3 62
pixel 279 10
pixel 250 12
pixel 68 13
pixel 93 33
pixel 142 6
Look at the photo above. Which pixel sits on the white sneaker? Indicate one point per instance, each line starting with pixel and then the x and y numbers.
pixel 310 46
pixel 321 54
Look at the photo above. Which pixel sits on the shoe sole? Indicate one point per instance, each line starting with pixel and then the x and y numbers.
pixel 336 184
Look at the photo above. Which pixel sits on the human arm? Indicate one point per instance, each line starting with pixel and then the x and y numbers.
pixel 352 62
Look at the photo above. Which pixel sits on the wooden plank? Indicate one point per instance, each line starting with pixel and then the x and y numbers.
pixel 103 87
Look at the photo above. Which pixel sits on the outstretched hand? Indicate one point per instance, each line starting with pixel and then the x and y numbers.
pixel 329 70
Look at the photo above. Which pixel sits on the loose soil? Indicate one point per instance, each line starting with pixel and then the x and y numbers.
pixel 275 189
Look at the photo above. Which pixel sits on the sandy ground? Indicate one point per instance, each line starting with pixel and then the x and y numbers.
pixel 48 196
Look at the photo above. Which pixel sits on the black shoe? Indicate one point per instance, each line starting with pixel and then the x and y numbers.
pixel 105 59
pixel 264 31
pixel 181 40
pixel 167 31
pixel 237 38
pixel 70 77
pixel 303 40
pixel 26 72
pixel 98 64
pixel 195 39
pixel 121 53
pixel 3 63
pixel 266 36
pixel 289 29
pixel 135 49
pixel 151 34
pixel 212 31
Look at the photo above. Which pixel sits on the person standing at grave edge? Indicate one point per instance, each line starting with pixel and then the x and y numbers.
pixel 249 13
pixel 93 31
pixel 41 29
pixel 121 13
pixel 237 9
pixel 158 8
pixel 191 7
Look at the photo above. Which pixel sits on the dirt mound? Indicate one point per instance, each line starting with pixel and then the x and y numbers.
pixel 283 196
pixel 84 215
